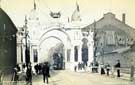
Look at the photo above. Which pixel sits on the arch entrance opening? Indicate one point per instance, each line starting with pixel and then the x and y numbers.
pixel 53 47
pixel 52 51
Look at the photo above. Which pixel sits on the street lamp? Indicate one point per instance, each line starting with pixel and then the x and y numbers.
pixel 27 56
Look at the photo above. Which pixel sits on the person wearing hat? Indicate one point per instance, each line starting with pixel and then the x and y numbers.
pixel 117 66
pixel 45 71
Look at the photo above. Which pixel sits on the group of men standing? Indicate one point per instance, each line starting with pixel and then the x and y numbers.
pixel 117 66
pixel 45 69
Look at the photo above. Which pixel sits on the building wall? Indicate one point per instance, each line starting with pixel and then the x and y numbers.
pixel 112 34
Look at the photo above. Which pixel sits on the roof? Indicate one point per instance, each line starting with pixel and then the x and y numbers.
pixel 109 14
pixel 110 19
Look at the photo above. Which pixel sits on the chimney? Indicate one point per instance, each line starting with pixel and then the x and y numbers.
pixel 123 17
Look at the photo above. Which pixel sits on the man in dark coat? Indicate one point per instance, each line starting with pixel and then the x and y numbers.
pixel 117 66
pixel 36 68
pixel 107 69
pixel 45 71
pixel 29 74
pixel 102 69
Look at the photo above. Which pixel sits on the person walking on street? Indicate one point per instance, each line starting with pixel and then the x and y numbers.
pixel 102 69
pixel 29 74
pixel 45 71
pixel 107 69
pixel 117 66
pixel 36 69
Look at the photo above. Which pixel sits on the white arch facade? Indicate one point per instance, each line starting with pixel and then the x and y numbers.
pixel 57 34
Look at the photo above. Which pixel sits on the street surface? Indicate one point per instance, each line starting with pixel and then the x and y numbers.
pixel 64 77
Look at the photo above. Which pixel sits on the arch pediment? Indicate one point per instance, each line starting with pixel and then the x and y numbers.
pixel 57 33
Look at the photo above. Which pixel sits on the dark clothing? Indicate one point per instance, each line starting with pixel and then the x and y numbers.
pixel 46 74
pixel 96 67
pixel 102 71
pixel 36 68
pixel 132 73
pixel 117 66
pixel 15 77
pixel 45 77
pixel 79 66
pixel 118 73
pixel 75 68
pixel 108 69
pixel 29 74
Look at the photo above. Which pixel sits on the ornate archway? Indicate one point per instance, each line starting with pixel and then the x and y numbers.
pixel 57 34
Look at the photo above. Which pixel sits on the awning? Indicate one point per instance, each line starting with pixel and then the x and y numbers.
pixel 121 50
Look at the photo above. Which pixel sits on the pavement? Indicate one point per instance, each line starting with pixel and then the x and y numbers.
pixel 66 77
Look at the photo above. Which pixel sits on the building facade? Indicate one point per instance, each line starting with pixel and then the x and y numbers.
pixel 106 40
pixel 77 45
pixel 114 39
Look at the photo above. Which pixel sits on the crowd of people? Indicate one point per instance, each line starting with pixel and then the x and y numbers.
pixel 44 69
pixel 27 73
pixel 104 69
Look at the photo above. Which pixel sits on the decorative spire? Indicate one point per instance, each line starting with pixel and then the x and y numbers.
pixel 35 5
pixel 76 14
pixel 78 9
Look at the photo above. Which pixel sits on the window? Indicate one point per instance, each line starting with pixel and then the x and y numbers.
pixel 76 53
pixel 35 55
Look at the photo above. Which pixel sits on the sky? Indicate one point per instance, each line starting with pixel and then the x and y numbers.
pixel 90 10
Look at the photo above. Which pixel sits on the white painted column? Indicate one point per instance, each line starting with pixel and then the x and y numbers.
pixel 72 55
pixel 70 65
pixel 90 48
pixel 80 53
pixel 24 48
pixel 90 52
pixel 65 55
pixel 18 53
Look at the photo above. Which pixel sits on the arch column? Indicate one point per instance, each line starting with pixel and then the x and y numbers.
pixel 19 53
pixel 90 52
pixel 65 55
pixel 72 55
pixel 80 53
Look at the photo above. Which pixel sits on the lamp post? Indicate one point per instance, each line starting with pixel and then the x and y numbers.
pixel 95 42
pixel 27 57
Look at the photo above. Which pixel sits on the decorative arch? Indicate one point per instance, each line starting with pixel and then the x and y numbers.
pixel 59 34
pixel 50 37
pixel 66 39
pixel 58 29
